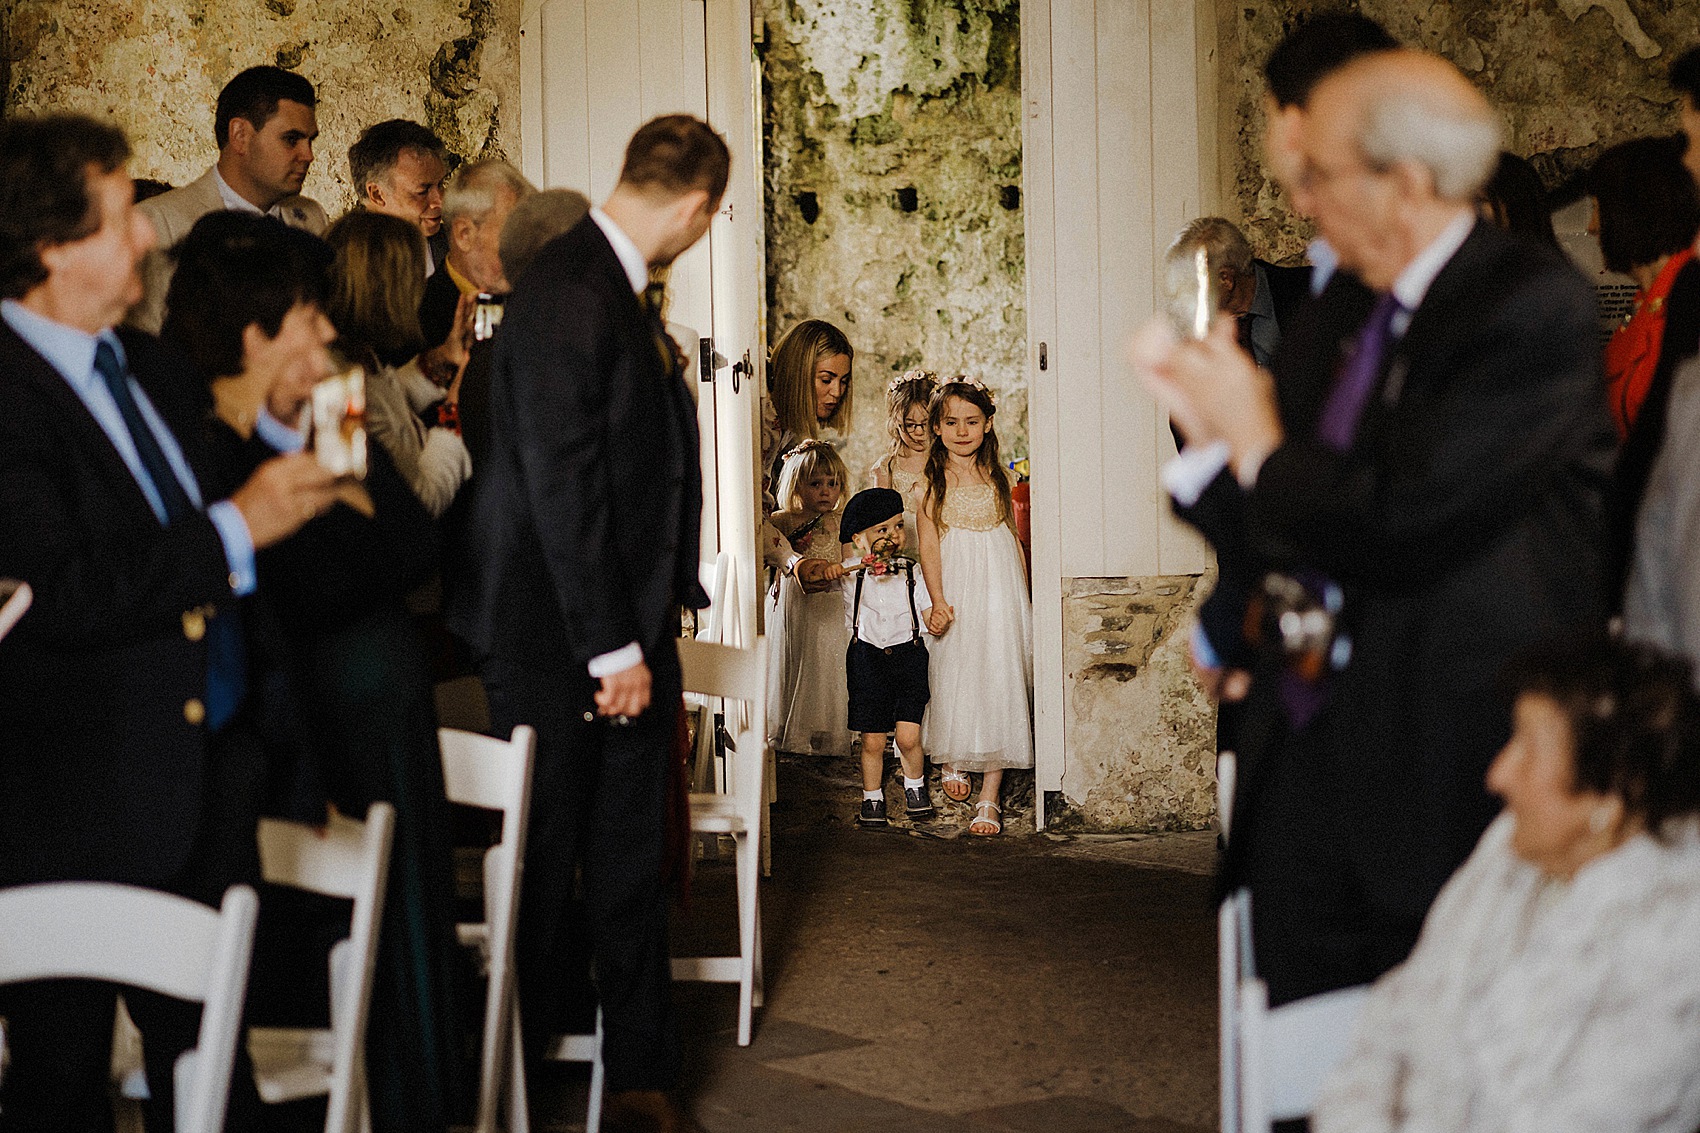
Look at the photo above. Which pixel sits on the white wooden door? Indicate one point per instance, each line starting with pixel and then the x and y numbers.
pixel 591 73
pixel 1118 152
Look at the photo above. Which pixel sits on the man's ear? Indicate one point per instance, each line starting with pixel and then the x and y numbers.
pixel 1414 181
pixel 239 136
pixel 461 232
pixel 375 193
pixel 689 206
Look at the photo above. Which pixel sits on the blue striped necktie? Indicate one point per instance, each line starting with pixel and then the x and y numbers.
pixel 226 663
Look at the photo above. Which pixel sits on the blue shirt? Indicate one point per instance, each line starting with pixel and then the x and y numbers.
pixel 71 353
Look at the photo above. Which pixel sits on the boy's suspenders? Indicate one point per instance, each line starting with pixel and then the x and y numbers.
pixel 914 618
pixel 856 609
pixel 856 606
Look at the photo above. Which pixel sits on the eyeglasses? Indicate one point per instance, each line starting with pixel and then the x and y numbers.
pixel 1313 177
pixel 914 426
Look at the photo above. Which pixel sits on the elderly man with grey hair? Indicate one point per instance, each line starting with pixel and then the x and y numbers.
pixel 475 207
pixel 1260 296
pixel 1419 488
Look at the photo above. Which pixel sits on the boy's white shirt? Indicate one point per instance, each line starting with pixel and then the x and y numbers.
pixel 885 606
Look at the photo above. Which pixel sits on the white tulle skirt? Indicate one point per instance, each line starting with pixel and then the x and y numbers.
pixel 808 703
pixel 980 717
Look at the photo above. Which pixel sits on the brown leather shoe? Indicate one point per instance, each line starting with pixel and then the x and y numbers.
pixel 645 1111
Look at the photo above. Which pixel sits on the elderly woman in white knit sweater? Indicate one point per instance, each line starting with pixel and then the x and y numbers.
pixel 1556 986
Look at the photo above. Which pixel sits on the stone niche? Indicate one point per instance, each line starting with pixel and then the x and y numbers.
pixel 893 188
pixel 1141 750
pixel 1570 77
pixel 156 66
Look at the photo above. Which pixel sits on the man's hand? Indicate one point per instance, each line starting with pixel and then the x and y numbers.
pixel 625 693
pixel 816 575
pixel 282 494
pixel 1213 389
pixel 1219 683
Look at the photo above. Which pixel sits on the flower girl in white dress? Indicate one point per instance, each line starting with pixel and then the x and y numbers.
pixel 980 717
pixel 808 701
pixel 903 469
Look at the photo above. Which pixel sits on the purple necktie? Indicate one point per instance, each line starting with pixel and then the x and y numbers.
pixel 1345 408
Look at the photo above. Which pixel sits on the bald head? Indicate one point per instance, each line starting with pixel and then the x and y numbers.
pixel 1417 110
pixel 1394 147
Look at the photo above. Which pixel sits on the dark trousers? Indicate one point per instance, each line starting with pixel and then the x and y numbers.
pixel 1316 924
pixel 598 807
pixel 60 1031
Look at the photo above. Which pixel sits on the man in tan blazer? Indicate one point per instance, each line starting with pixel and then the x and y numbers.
pixel 265 125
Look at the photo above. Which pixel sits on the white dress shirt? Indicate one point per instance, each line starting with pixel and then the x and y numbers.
pixel 885 619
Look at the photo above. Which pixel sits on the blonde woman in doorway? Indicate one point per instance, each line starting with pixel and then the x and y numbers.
pixel 809 391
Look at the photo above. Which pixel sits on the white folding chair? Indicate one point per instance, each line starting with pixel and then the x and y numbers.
pixel 706 769
pixel 495 774
pixel 344 859
pixel 741 675
pixel 1274 1061
pixel 146 939
pixel 15 598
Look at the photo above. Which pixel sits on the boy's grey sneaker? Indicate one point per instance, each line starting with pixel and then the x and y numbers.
pixel 917 803
pixel 873 813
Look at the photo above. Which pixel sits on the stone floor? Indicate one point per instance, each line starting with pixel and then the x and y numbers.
pixel 1022 983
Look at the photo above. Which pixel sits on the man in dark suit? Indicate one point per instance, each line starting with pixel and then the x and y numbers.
pixel 1426 472
pixel 585 527
pixel 126 756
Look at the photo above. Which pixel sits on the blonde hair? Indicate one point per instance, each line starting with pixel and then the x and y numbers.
pixel 377 284
pixel 802 464
pixel 975 393
pixel 791 377
pixel 903 394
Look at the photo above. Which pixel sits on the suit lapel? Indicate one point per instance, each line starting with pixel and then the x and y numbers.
pixel 1418 361
pixel 35 371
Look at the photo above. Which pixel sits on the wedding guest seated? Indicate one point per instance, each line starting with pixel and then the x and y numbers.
pixel 247 306
pixel 377 283
pixel 1554 986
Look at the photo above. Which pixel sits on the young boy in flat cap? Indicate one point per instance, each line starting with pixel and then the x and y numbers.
pixel 886 606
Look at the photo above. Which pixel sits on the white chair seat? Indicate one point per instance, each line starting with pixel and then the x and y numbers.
pixel 495 774
pixel 139 937
pixel 738 679
pixel 291 1064
pixel 347 859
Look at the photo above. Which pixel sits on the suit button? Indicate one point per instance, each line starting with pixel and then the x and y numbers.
pixel 194 624
pixel 194 711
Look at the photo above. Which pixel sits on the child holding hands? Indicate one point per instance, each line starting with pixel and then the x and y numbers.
pixel 982 667
pixel 806 697
pixel 886 604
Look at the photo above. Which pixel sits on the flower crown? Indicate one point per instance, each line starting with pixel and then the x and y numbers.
pixel 809 444
pixel 972 383
pixel 915 377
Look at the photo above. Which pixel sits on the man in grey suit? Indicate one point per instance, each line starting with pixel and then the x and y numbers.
pixel 265 125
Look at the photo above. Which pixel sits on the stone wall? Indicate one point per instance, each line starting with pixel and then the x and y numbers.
pixel 156 66
pixel 1141 734
pixel 1570 76
pixel 893 186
